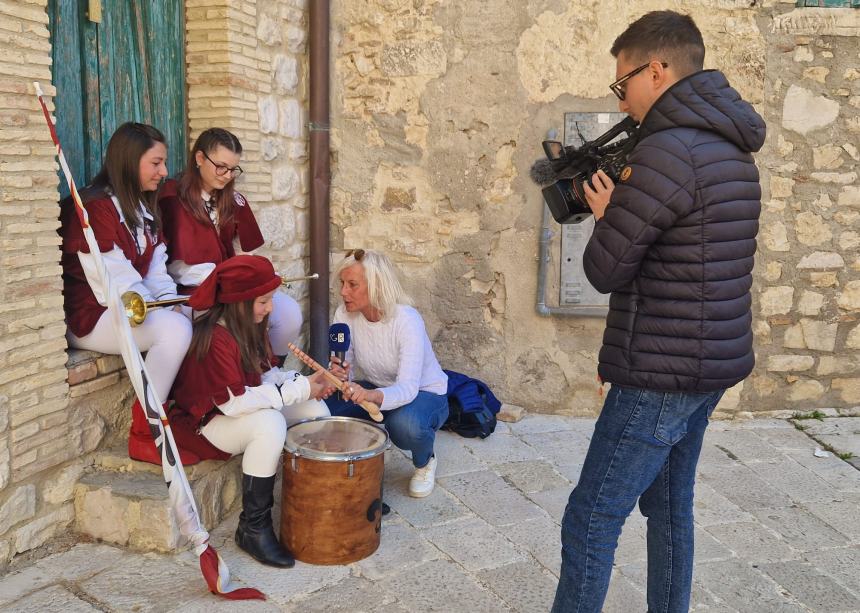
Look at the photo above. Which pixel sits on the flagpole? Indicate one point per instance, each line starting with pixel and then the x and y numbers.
pixel 214 569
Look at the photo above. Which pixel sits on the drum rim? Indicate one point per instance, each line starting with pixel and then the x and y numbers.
pixel 323 456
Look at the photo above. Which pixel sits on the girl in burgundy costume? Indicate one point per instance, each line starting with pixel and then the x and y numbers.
pixel 206 221
pixel 229 398
pixel 121 205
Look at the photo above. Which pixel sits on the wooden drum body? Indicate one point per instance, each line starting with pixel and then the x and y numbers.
pixel 331 498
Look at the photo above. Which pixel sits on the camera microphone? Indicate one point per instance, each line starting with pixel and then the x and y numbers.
pixel 543 173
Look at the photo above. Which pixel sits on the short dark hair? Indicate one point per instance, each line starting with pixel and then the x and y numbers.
pixel 671 37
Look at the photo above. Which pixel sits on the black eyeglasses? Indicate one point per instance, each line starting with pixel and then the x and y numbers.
pixel 221 169
pixel 618 87
pixel 358 254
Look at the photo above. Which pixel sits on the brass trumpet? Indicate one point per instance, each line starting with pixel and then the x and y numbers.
pixel 136 307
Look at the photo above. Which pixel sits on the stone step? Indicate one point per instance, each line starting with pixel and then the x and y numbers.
pixel 119 500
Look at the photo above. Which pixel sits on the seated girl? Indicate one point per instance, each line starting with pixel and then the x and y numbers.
pixel 229 398
pixel 121 205
pixel 390 348
pixel 207 221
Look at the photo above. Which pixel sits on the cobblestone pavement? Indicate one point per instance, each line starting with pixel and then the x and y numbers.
pixel 778 529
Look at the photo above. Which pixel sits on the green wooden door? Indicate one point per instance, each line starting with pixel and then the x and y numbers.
pixel 128 67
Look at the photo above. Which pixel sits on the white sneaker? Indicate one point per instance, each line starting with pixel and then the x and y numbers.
pixel 423 480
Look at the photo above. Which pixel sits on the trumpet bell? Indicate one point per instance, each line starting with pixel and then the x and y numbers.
pixel 135 308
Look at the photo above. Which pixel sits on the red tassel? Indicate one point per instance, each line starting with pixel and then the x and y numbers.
pixel 209 568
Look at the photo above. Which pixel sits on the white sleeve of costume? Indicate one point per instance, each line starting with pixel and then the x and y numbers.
pixel 264 396
pixel 191 275
pixel 276 376
pixel 122 274
pixel 160 283
pixel 296 390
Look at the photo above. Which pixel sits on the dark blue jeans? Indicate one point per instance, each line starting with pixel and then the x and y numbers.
pixel 645 446
pixel 412 426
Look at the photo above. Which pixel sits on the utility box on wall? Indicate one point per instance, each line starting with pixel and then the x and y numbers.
pixel 574 288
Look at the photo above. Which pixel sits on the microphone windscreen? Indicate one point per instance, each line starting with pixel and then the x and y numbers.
pixel 338 337
pixel 543 173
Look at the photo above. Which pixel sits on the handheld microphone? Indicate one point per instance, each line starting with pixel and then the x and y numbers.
pixel 338 340
pixel 338 343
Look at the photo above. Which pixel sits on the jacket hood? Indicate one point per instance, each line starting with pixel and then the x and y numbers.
pixel 706 101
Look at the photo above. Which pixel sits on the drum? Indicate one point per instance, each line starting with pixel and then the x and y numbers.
pixel 331 499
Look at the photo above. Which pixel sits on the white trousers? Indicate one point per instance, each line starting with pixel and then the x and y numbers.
pixel 285 322
pixel 164 336
pixel 260 435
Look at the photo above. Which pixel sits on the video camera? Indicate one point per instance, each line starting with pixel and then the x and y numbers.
pixel 566 169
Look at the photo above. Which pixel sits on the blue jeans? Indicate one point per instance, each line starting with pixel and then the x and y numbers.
pixel 412 426
pixel 645 446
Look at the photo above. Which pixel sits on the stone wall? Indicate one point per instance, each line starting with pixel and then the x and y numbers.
pixel 438 112
pixel 809 294
pixel 37 432
pixel 246 73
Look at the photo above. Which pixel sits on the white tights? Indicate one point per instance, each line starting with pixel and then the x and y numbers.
pixel 260 435
pixel 164 336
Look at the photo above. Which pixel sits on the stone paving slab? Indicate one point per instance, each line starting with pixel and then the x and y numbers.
pixel 352 595
pixel 53 598
pixel 524 586
pixel 800 483
pixel 489 496
pixel 811 587
pixel 434 586
pixel 500 448
pixel 541 538
pixel 743 487
pixel 842 515
pixel 753 542
pixel 843 565
pixel 400 546
pixel 777 529
pixel 532 476
pixel 803 530
pixel 737 585
pixel 840 433
pixel 473 544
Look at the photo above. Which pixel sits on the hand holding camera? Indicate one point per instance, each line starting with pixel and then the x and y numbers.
pixel 568 172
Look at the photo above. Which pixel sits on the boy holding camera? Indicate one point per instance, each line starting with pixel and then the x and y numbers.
pixel 674 244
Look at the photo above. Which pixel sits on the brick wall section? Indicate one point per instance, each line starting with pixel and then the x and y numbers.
pixel 245 73
pixel 35 429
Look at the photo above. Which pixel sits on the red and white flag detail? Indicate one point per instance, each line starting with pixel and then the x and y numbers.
pixel 214 568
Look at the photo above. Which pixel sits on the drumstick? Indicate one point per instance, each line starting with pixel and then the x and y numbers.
pixel 368 406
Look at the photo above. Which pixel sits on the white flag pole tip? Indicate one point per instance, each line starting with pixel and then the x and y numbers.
pixel 38 88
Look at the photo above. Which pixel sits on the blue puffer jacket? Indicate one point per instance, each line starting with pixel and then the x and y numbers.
pixel 676 244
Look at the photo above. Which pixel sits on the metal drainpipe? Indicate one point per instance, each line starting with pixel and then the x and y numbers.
pixel 543 261
pixel 320 176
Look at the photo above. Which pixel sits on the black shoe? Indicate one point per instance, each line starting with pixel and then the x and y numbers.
pixel 255 534
pixel 385 509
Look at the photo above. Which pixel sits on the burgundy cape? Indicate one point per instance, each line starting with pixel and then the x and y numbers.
pixel 200 385
pixel 195 242
pixel 82 309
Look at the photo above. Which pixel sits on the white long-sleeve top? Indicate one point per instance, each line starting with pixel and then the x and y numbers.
pixel 156 285
pixel 394 354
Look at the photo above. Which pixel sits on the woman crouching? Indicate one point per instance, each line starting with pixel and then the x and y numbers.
pixel 391 350
pixel 229 398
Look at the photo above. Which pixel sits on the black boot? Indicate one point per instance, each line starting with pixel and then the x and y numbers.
pixel 255 534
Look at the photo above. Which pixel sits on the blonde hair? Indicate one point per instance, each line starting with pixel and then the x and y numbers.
pixel 383 286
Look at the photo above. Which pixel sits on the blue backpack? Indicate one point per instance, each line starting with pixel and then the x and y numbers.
pixel 472 407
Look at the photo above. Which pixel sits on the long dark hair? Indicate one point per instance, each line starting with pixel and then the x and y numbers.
pixel 238 318
pixel 191 184
pixel 120 172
